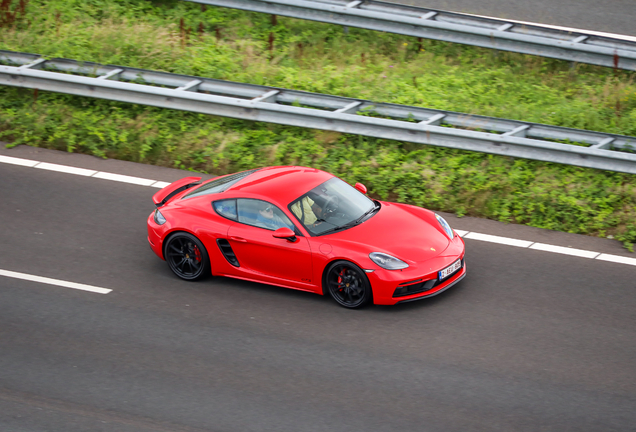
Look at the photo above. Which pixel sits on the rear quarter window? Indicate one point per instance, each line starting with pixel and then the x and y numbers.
pixel 226 208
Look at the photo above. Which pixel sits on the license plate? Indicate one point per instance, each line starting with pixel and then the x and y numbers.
pixel 450 269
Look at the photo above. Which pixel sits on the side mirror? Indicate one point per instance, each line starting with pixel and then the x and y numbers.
pixel 362 188
pixel 285 233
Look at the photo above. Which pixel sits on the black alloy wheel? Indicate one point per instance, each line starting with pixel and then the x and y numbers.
pixel 187 256
pixel 348 285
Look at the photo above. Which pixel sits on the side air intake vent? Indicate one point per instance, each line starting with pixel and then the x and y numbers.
pixel 227 252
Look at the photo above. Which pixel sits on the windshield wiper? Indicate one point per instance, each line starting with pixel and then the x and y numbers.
pixel 368 212
pixel 355 222
pixel 338 228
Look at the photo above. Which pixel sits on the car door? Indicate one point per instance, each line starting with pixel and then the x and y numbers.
pixel 260 254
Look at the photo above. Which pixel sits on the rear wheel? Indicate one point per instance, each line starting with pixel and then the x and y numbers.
pixel 348 285
pixel 187 256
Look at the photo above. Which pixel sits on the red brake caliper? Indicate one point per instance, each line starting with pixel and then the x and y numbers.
pixel 197 253
pixel 340 275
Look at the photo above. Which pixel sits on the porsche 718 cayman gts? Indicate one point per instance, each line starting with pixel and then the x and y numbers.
pixel 305 229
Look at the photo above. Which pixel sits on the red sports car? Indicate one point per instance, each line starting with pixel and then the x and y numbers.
pixel 305 229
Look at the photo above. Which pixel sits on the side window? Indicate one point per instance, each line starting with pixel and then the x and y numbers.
pixel 262 214
pixel 226 208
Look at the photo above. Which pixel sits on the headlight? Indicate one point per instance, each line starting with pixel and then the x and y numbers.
pixel 159 219
pixel 387 261
pixel 445 225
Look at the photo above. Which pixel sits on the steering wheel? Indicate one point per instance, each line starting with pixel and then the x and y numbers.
pixel 330 206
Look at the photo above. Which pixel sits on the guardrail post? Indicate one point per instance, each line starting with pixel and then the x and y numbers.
pixel 182 32
pixel 271 37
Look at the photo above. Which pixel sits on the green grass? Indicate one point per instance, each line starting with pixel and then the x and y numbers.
pixel 365 64
pixel 322 58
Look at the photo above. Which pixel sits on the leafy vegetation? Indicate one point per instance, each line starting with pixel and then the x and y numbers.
pixel 220 43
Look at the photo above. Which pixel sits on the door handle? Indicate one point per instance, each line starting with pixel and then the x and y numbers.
pixel 238 239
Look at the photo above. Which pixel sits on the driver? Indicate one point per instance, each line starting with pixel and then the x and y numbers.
pixel 304 211
pixel 268 219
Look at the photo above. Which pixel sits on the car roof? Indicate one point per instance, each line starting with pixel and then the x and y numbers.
pixel 282 183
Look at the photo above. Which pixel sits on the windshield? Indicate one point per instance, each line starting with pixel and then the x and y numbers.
pixel 331 206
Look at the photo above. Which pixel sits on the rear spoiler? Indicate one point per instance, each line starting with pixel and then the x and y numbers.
pixel 164 195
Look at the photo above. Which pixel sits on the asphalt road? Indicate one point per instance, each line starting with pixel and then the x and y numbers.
pixel 611 16
pixel 528 341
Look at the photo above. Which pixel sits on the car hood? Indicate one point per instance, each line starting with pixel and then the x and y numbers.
pixel 409 233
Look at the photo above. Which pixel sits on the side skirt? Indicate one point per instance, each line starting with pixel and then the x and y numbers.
pixel 269 283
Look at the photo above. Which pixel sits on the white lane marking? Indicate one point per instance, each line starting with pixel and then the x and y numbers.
pixel 65 169
pixel 18 161
pixel 124 178
pixel 160 184
pixel 496 239
pixel 83 172
pixel 564 250
pixel 57 282
pixel 465 234
pixel 617 259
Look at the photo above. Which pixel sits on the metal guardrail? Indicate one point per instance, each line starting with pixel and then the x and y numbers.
pixel 320 111
pixel 451 27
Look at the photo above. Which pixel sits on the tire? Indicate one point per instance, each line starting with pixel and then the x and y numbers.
pixel 186 256
pixel 347 284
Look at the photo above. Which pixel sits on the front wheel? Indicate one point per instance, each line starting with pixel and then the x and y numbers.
pixel 348 285
pixel 187 256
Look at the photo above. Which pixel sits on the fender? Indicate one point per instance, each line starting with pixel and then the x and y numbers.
pixel 164 195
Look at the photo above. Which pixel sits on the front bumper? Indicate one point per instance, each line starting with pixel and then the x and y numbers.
pixel 419 281
pixel 438 289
